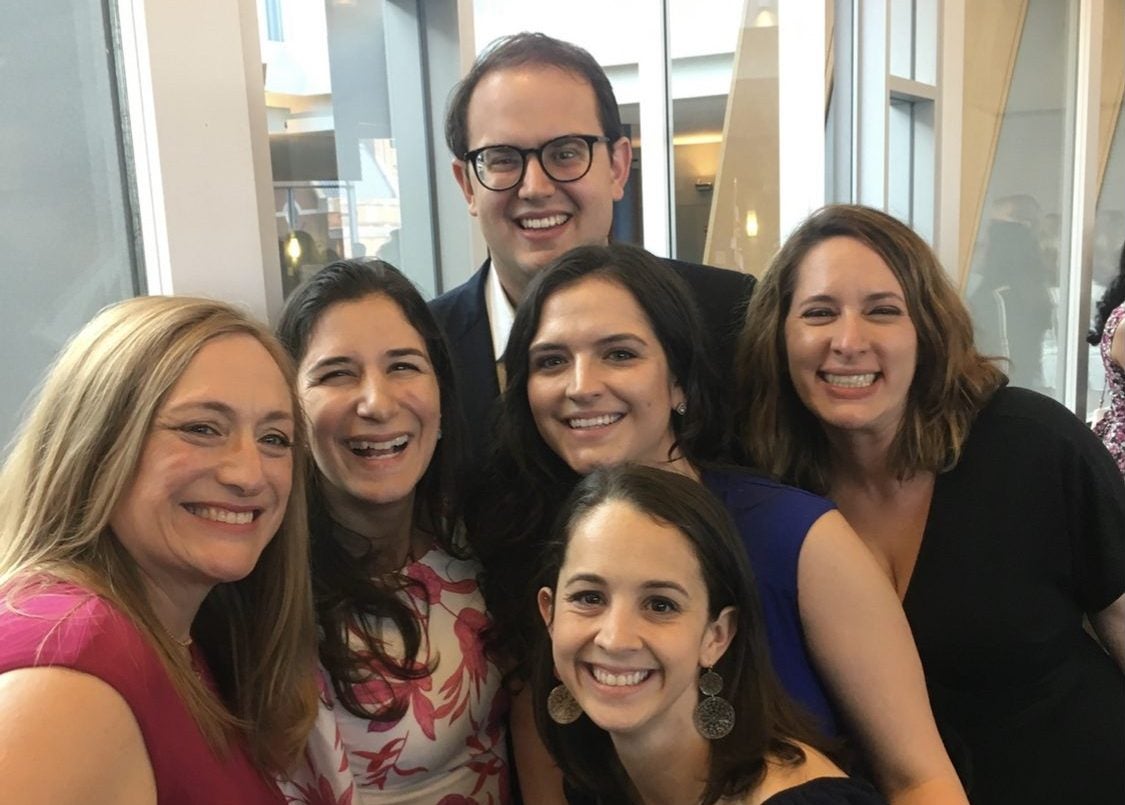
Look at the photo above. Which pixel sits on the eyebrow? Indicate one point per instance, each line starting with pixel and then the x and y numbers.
pixel 877 296
pixel 343 360
pixel 654 584
pixel 223 409
pixel 616 338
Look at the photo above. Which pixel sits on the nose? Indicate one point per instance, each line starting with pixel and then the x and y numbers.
pixel 535 183
pixel 376 401
pixel 617 631
pixel 241 467
pixel 850 336
pixel 585 380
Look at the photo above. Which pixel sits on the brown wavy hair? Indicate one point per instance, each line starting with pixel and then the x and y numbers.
pixel 952 380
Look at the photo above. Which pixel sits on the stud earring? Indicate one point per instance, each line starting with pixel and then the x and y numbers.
pixel 562 707
pixel 713 717
pixel 681 409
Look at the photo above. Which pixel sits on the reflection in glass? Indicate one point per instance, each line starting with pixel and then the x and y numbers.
pixel 1016 286
pixel 332 148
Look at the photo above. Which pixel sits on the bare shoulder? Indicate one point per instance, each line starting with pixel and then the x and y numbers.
pixel 69 737
pixel 780 776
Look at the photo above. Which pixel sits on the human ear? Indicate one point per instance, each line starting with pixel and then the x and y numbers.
pixel 465 182
pixel 546 606
pixel 718 636
pixel 620 160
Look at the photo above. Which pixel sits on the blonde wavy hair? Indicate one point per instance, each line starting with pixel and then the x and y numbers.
pixel 74 457
pixel 952 380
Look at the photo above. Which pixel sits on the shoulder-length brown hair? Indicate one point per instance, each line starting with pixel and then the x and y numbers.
pixel 74 457
pixel 952 380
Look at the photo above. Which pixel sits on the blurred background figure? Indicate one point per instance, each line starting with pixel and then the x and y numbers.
pixel 1012 300
pixel 1107 336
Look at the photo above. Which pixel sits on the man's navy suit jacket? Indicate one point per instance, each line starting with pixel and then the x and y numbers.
pixel 721 296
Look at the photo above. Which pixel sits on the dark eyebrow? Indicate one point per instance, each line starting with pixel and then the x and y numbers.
pixel 655 584
pixel 616 338
pixel 331 360
pixel 665 585
pixel 585 578
pixel 405 352
pixel 225 410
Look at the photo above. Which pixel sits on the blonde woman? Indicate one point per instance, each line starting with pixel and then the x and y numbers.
pixel 155 622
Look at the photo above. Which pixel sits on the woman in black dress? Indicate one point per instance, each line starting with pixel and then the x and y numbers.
pixel 998 515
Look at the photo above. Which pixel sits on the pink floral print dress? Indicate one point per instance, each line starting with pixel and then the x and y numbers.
pixel 449 748
pixel 1111 428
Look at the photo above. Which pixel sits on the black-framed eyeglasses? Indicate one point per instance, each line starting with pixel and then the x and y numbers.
pixel 563 159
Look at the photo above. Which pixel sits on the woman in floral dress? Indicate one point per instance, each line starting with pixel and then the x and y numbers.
pixel 411 708
pixel 1111 310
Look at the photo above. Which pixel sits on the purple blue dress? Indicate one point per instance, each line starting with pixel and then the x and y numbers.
pixel 773 520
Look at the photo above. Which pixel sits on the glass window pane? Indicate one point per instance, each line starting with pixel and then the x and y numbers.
pixel 1017 283
pixel 336 143
pixel 65 223
pixel 725 122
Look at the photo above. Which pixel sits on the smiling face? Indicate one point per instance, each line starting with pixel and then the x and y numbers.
pixel 214 475
pixel 599 385
pixel 531 224
pixel 629 622
pixel 372 401
pixel 851 346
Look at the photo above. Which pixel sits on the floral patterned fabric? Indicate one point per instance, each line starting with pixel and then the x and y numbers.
pixel 1111 428
pixel 449 748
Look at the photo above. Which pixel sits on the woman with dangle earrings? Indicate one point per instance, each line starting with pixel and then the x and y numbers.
pixel 411 710
pixel 656 686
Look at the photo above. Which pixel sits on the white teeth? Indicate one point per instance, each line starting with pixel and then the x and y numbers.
pixel 544 223
pixel 594 421
pixel 221 515
pixel 619 680
pixel 378 449
pixel 850 381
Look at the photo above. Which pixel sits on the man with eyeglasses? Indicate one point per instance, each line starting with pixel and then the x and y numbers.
pixel 541 156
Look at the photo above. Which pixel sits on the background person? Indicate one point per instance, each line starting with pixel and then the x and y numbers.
pixel 608 362
pixel 541 156
pixel 1111 345
pixel 411 708
pixel 998 516
pixel 155 633
pixel 661 656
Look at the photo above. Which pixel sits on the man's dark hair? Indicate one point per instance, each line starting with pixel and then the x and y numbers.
pixel 537 50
